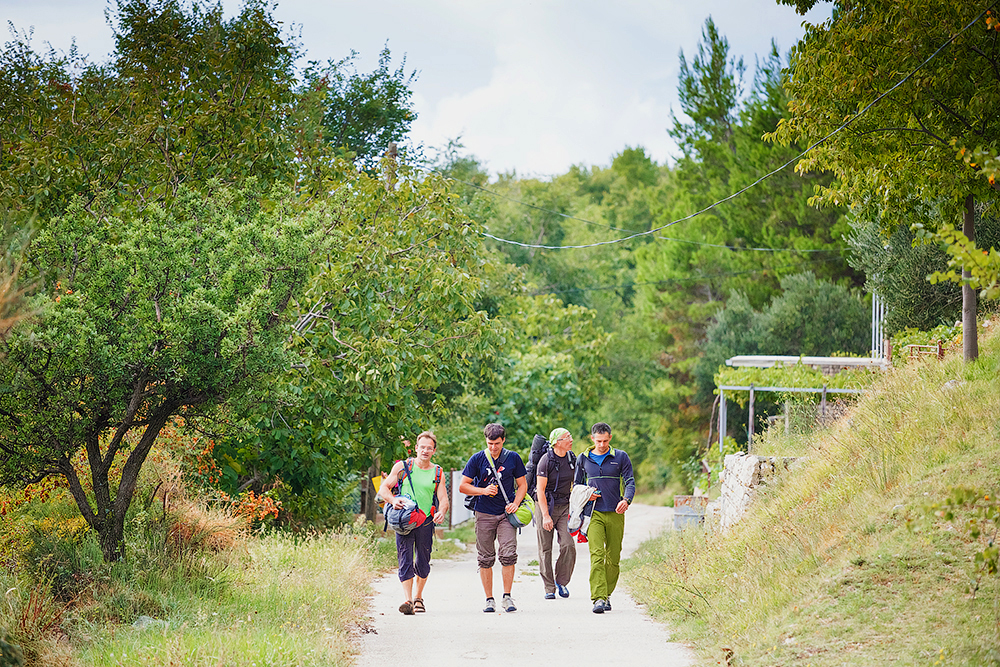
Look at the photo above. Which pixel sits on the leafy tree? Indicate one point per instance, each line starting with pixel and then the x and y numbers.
pixel 388 328
pixel 813 317
pixel 188 96
pixel 709 90
pixel 810 317
pixel 897 266
pixel 968 265
pixel 635 167
pixel 735 330
pixel 363 113
pixel 145 314
pixel 897 161
pixel 552 377
pixel 687 275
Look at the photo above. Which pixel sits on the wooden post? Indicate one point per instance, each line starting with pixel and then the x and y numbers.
pixel 970 334
pixel 822 407
pixel 369 506
pixel 750 423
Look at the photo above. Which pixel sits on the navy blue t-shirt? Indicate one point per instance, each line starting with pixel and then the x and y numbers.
pixel 478 469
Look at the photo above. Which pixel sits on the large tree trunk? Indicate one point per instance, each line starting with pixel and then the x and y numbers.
pixel 970 334
pixel 112 538
pixel 107 516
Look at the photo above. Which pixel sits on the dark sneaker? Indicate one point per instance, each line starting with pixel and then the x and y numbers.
pixel 550 596
pixel 508 604
pixel 598 606
pixel 607 605
pixel 563 591
pixel 491 606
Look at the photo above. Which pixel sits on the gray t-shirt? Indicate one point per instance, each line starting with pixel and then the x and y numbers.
pixel 561 475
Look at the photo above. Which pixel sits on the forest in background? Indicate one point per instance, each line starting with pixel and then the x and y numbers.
pixel 368 303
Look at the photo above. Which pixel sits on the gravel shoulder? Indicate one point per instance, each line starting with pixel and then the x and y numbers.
pixel 455 631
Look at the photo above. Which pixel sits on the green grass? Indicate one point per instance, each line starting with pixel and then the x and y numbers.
pixel 464 532
pixel 272 599
pixel 285 601
pixel 841 561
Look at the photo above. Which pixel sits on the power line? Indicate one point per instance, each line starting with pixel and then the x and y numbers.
pixel 669 281
pixel 619 229
pixel 759 180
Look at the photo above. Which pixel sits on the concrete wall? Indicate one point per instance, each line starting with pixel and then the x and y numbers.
pixel 741 477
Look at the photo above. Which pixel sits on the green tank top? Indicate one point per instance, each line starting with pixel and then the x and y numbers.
pixel 423 487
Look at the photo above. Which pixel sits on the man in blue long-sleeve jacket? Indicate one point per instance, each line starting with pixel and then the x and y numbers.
pixel 610 472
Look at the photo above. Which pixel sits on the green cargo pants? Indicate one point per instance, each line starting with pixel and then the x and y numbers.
pixel 605 540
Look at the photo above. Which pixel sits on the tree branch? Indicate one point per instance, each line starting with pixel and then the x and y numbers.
pixel 416 245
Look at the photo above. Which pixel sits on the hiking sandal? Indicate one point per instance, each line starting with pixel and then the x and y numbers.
pixel 418 605
pixel 406 608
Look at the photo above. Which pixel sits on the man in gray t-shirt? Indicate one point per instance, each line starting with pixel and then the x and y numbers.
pixel 556 470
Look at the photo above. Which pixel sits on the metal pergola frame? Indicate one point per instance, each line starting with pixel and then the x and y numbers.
pixel 752 389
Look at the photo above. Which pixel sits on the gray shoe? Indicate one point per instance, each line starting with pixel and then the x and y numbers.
pixel 598 606
pixel 508 604
pixel 491 606
pixel 607 605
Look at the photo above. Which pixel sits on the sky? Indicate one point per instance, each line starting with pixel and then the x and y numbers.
pixel 530 88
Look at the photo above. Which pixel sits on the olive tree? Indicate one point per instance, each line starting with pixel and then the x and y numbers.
pixel 142 315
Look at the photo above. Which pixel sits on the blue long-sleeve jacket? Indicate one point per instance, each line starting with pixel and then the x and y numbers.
pixel 613 478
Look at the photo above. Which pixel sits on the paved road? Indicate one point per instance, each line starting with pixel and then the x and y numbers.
pixel 455 631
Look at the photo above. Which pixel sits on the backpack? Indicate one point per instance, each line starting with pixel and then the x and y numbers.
pixel 404 520
pixel 539 447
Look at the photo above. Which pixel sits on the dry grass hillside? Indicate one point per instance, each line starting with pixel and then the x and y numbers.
pixel 856 557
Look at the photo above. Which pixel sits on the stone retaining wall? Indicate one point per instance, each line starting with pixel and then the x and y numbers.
pixel 741 477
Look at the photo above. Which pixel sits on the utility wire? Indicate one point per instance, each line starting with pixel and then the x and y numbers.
pixel 668 281
pixel 619 229
pixel 759 180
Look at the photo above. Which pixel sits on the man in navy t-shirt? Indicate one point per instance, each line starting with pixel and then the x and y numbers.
pixel 492 527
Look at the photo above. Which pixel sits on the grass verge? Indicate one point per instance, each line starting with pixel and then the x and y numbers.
pixel 271 599
pixel 285 601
